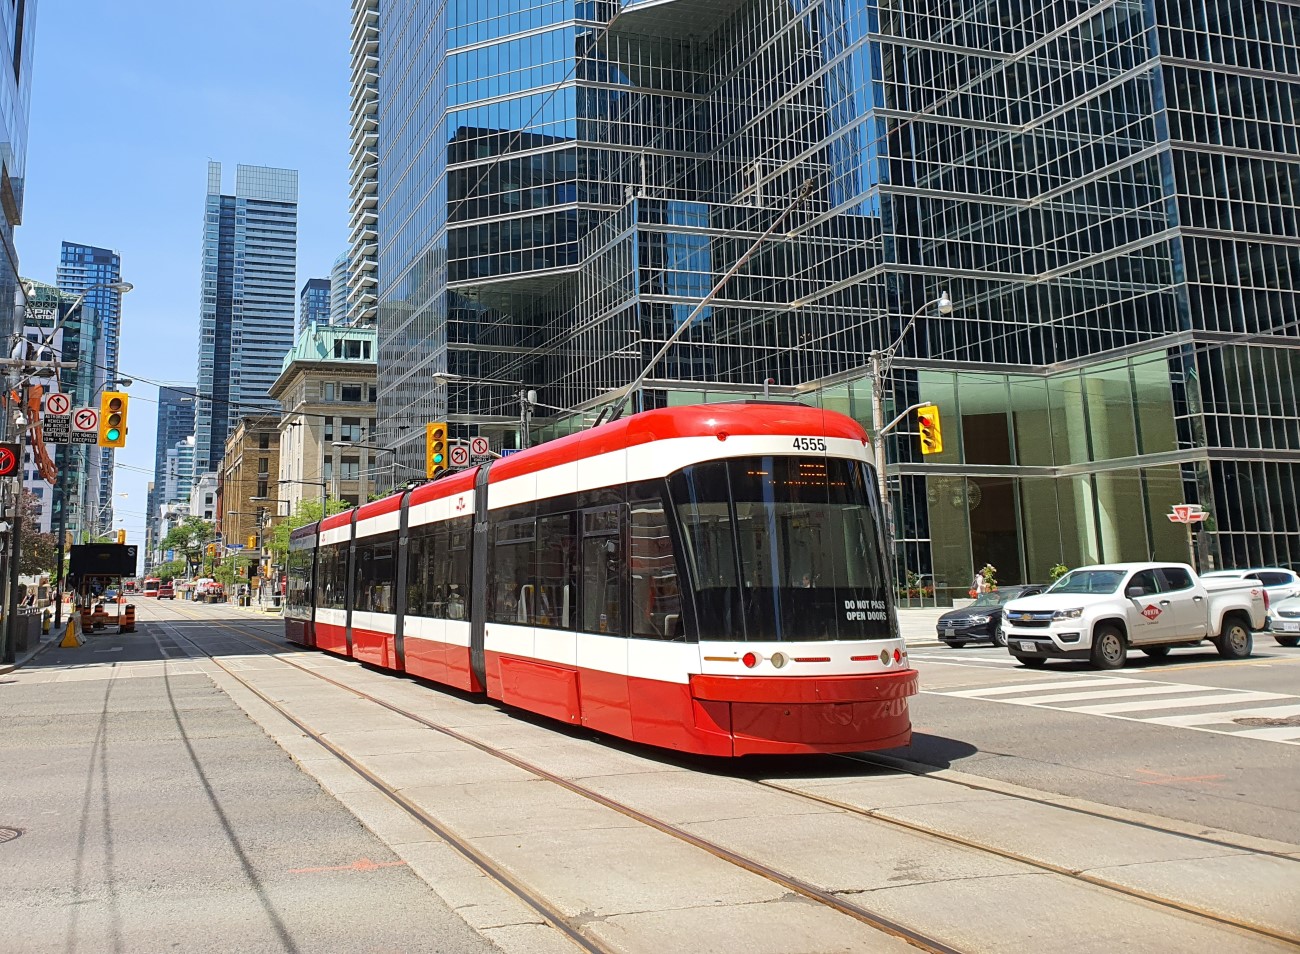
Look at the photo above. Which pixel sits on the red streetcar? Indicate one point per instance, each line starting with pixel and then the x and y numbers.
pixel 709 579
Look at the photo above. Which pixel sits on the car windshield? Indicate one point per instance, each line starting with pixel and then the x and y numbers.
pixel 996 597
pixel 1089 581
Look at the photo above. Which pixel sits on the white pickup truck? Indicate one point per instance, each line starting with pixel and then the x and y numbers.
pixel 1098 612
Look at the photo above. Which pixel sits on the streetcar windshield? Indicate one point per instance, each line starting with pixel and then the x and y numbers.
pixel 782 549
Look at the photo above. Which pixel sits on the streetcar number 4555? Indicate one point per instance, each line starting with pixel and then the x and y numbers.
pixel 810 443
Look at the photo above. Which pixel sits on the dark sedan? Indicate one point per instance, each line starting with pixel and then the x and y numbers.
pixel 981 621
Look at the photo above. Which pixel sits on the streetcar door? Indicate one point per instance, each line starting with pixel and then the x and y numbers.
pixel 479 579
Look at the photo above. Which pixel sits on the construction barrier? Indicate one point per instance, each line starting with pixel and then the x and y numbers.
pixel 99 617
pixel 85 619
pixel 126 619
pixel 72 637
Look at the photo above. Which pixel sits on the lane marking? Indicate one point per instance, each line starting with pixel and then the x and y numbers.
pixel 1227 698
pixel 362 864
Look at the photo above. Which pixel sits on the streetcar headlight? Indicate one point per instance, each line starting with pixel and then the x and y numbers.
pixel 779 660
pixel 884 657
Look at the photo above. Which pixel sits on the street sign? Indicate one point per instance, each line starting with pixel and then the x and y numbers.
pixel 11 459
pixel 1187 513
pixel 459 456
pixel 86 419
pixel 85 425
pixel 479 449
pixel 56 430
pixel 57 404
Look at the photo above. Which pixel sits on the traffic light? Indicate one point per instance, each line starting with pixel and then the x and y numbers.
pixel 927 422
pixel 112 419
pixel 121 537
pixel 212 549
pixel 435 449
pixel 252 541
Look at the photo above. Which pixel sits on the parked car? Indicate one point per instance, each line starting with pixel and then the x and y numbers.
pixel 166 591
pixel 1098 612
pixel 1284 621
pixel 981 621
pixel 1279 582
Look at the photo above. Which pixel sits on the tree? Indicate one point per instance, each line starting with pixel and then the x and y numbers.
pixel 40 551
pixel 188 538
pixel 169 571
pixel 307 511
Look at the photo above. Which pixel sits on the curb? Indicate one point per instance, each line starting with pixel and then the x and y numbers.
pixel 46 643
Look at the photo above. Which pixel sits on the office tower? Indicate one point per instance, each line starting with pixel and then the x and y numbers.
pixel 1108 194
pixel 17 32
pixel 250 243
pixel 363 235
pixel 175 423
pixel 314 303
pixel 339 276
pixel 81 269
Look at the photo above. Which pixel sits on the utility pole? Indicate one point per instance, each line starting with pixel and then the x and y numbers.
pixel 62 534
pixel 11 609
pixel 526 401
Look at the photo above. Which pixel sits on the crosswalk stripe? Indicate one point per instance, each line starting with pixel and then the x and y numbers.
pixel 1035 686
pixel 1279 734
pixel 1227 698
pixel 1056 698
pixel 1210 718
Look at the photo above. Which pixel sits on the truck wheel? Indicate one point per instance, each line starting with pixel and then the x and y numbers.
pixel 1288 640
pixel 1156 652
pixel 1236 641
pixel 1032 662
pixel 1109 650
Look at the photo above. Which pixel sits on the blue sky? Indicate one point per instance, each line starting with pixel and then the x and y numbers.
pixel 129 101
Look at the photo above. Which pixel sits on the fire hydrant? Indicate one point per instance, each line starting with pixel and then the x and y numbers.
pixel 45 622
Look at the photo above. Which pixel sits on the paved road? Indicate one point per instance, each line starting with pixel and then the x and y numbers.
pixel 1193 737
pixel 154 815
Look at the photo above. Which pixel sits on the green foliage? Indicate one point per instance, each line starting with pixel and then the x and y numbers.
pixel 307 511
pixel 234 568
pixel 169 571
pixel 990 574
pixel 1056 572
pixel 39 550
pixel 189 538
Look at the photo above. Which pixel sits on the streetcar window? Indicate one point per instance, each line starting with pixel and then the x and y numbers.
pixel 656 602
pixel 782 549
pixel 331 577
pixel 603 567
pixel 375 574
pixel 555 582
pixel 512 595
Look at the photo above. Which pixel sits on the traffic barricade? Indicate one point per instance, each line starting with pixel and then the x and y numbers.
pixel 99 617
pixel 126 619
pixel 86 624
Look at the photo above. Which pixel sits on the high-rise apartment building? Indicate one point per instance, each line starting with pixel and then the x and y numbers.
pixel 314 303
pixel 175 423
pixel 363 233
pixel 85 268
pixel 339 275
pixel 73 336
pixel 1109 194
pixel 246 322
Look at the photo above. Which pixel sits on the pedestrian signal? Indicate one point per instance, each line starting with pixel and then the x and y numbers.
pixel 112 419
pixel 435 449
pixel 927 422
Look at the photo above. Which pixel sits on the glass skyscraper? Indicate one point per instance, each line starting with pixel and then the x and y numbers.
pixel 17 34
pixel 314 303
pixel 81 267
pixel 1109 192
pixel 250 247
pixel 175 423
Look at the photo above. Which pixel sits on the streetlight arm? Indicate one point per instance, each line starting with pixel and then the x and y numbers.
pixel 896 421
pixel 944 305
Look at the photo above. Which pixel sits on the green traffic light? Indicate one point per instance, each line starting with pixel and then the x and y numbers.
pixel 437 458
pixel 113 433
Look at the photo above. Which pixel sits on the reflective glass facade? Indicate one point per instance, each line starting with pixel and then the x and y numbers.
pixel 250 248
pixel 17 35
pixel 1108 192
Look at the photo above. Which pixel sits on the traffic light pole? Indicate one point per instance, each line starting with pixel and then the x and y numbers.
pixel 62 535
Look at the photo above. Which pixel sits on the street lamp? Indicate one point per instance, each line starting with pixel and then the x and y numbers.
pixel 324 487
pixel 527 397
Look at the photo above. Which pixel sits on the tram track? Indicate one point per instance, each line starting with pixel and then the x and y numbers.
pixel 245 631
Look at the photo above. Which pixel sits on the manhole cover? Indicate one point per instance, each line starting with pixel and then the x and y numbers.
pixel 9 834
pixel 1257 722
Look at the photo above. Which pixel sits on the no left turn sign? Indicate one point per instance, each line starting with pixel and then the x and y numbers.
pixel 57 404
pixel 85 419
pixel 459 456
